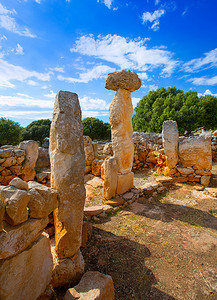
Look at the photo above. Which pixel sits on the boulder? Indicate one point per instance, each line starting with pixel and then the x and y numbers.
pixel 17 238
pixel 125 80
pixel 185 171
pixel 196 152
pixel 93 210
pixel 31 151
pixel 93 286
pixel 15 201
pixel 170 137
pixel 19 184
pixel 68 271
pixel 43 200
pixel 26 275
pixel 205 180
pixel 67 172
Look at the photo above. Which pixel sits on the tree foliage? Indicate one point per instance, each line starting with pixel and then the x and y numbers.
pixel 37 130
pixel 190 111
pixel 96 129
pixel 10 132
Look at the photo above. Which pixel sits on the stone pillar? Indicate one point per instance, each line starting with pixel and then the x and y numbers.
pixel 67 172
pixel 120 115
pixel 31 151
pixel 170 136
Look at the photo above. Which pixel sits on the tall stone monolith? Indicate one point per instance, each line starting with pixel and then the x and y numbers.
pixel 120 116
pixel 67 172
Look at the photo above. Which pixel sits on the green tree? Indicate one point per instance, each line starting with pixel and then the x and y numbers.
pixel 37 130
pixel 10 132
pixel 187 109
pixel 96 129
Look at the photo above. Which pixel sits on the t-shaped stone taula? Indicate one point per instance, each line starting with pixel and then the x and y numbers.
pixel 120 116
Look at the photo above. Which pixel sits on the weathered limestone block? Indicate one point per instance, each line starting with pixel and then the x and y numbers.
pixel 2 213
pixel 110 178
pixel 10 161
pixel 196 152
pixel 123 80
pixel 170 136
pixel 205 180
pixel 203 172
pixel 15 201
pixel 16 170
pixel 125 182
pixel 107 150
pixel 31 151
pixel 96 166
pixel 15 239
pixel 67 172
pixel 94 286
pixel 88 150
pixel 43 159
pixel 43 200
pixel 26 275
pixel 5 152
pixel 185 171
pixel 120 115
pixel 68 271
pixel 19 184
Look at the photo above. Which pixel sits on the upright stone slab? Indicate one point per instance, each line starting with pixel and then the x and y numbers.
pixel 110 178
pixel 67 172
pixel 31 151
pixel 170 137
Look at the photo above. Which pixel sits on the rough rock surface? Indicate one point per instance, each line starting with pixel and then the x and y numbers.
pixel 19 184
pixel 15 201
pixel 31 151
pixel 93 286
pixel 67 172
pixel 123 80
pixel 43 200
pixel 170 136
pixel 196 152
pixel 17 238
pixel 68 271
pixel 26 275
pixel 110 178
pixel 120 115
pixel 2 213
pixel 124 183
pixel 88 149
pixel 43 160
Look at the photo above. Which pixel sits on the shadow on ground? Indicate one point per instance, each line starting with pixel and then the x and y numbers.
pixel 124 260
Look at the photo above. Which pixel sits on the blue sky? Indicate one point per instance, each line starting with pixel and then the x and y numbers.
pixel 52 45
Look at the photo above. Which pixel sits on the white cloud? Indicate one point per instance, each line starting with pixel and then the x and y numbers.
pixel 153 18
pixel 204 80
pixel 126 53
pixel 19 50
pixel 9 23
pixel 153 87
pixel 31 115
pixel 32 82
pixel 135 101
pixel 94 113
pixel 207 92
pixel 9 72
pixel 88 103
pixel 51 95
pixel 107 3
pixel 209 60
pixel 157 2
pixel 24 101
pixel 97 72
pixel 142 75
pixel 57 69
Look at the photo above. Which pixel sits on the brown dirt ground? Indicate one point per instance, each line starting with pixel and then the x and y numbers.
pixel 164 248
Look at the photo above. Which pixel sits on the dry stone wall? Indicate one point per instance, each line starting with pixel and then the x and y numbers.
pixel 25 255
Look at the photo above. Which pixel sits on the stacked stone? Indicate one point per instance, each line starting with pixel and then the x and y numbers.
pixel 25 254
pixel 11 159
pixel 188 159
pixel 67 159
pixel 118 168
